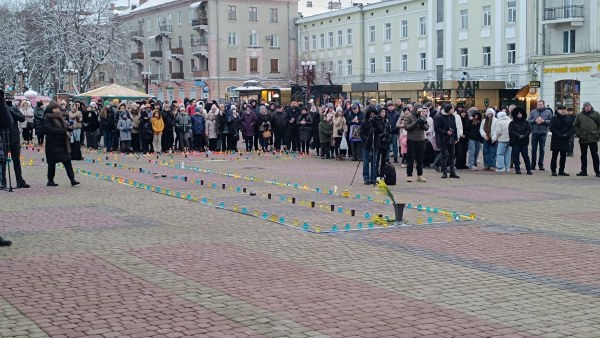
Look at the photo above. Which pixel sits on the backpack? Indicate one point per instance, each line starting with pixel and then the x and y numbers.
pixel 389 174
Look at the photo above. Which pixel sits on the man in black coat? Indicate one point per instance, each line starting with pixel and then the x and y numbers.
pixel 279 125
pixel 355 118
pixel 13 145
pixel 446 138
pixel 5 122
pixel 561 127
pixel 293 135
pixel 370 130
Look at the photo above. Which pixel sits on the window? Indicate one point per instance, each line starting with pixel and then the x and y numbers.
pixel 387 31
pixel 169 19
pixel 322 40
pixel 180 42
pixel 191 14
pixel 371 65
pixel 388 64
pixel 253 14
pixel 440 11
pixel 231 13
pixel 404 65
pixel 253 65
pixel 349 36
pixel 440 43
pixel 371 33
pixel 422 26
pixel 149 24
pixel 330 66
pixel 464 19
pixel 179 17
pixel 232 39
pixel 340 68
pixel 512 53
pixel 275 41
pixel 422 61
pixel 330 36
pixel 274 66
pixel 273 16
pixel 404 29
pixel 232 64
pixel 464 57
pixel 253 40
pixel 487 56
pixel 567 92
pixel 306 43
pixel 569 42
pixel 487 16
pixel 313 40
pixel 349 67
pixel 511 11
pixel 192 40
pixel 340 37
pixel 193 64
pixel 158 22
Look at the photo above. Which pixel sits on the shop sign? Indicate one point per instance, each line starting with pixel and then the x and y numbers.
pixel 468 85
pixel 534 84
pixel 432 85
pixel 168 88
pixel 486 102
pixel 569 69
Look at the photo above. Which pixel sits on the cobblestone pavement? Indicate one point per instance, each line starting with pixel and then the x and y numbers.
pixel 110 259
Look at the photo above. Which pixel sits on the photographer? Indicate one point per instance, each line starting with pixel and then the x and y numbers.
pixel 370 131
pixel 384 142
pixel 446 138
pixel 5 121
pixel 12 144
pixel 415 124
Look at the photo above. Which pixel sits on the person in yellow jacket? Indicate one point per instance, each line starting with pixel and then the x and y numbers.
pixel 158 125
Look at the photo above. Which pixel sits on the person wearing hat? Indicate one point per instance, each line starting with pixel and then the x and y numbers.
pixel 539 119
pixel 183 123
pixel 125 126
pixel 587 127
pixel 571 116
pixel 446 135
pixel 370 131
pixel 463 143
pixel 58 145
pixel 561 128
pixel 518 133
pixel 354 120
pixel 293 134
pixel 416 125
pixel 393 115
pixel 12 143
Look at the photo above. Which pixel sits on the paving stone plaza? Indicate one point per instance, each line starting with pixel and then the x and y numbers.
pixel 257 245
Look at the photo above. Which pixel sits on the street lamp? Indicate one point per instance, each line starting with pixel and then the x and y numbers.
pixel 308 74
pixel 146 79
pixel 70 71
pixel 21 70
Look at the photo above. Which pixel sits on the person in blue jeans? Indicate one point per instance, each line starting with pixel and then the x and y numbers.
pixel 502 138
pixel 370 132
pixel 475 138
pixel 518 131
pixel 488 126
pixel 539 120
pixel 393 115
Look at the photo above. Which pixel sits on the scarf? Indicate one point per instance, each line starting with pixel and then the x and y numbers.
pixel 60 123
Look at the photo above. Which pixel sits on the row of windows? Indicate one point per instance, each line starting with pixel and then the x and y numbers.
pixel 387 30
pixel 511 55
pixel 253 65
pixel 511 15
pixel 273 40
pixel 231 15
pixel 387 63
pixel 330 39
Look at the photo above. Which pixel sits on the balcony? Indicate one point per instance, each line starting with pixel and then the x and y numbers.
pixel 572 14
pixel 200 23
pixel 177 76
pixel 177 53
pixel 156 55
pixel 165 29
pixel 200 74
pixel 156 77
pixel 137 57
pixel 199 48
pixel 136 35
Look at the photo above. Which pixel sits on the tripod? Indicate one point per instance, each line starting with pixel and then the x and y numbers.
pixel 6 140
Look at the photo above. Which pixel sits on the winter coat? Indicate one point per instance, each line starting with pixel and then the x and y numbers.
pixel 13 130
pixel 292 114
pixel 168 120
pixel 248 121
pixel 444 122
pixel 211 128
pixel 339 123
pixel 183 123
pixel 501 132
pixel 370 131
pixel 393 118
pixel 28 113
pixel 135 119
pixel 316 117
pixel 519 129
pixel 492 129
pixel 414 129
pixel 472 131
pixel 385 138
pixel 264 122
pixel 198 124
pixel 145 129
pixel 360 116
pixel 38 120
pixel 90 123
pixel 546 115
pixel 158 125
pixel 561 127
pixel 125 126
pixel 225 123
pixel 5 121
pixel 56 140
pixel 305 130
pixel 325 130
pixel 587 126
pixel 279 122
pixel 76 117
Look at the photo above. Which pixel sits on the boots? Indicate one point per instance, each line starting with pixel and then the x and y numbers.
pixel 52 184
pixel 74 183
pixel 5 242
pixel 22 184
pixel 421 179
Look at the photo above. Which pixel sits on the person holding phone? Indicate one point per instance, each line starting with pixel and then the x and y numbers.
pixel 446 137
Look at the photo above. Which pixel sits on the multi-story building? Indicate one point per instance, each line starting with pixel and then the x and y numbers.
pixel 204 49
pixel 468 51
pixel 567 52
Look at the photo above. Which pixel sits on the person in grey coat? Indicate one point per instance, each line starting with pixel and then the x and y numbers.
pixel 539 120
pixel 125 127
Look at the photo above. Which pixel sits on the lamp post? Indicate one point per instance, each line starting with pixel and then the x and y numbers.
pixel 21 70
pixel 70 71
pixel 146 80
pixel 308 74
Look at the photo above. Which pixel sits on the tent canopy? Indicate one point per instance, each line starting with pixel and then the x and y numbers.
pixel 114 91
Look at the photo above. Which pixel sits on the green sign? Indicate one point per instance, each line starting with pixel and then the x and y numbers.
pixel 466 85
pixel 486 102
pixel 169 87
pixel 433 85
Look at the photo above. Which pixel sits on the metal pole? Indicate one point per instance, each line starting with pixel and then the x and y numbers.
pixel 21 82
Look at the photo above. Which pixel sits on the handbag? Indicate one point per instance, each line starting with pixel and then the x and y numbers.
pixel 340 132
pixel 355 133
pixel 267 134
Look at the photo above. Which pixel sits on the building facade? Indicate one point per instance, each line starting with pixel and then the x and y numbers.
pixel 568 52
pixel 468 51
pixel 204 49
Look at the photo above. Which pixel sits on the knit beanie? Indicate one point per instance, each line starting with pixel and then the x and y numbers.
pixel 448 108
pixel 585 104
pixel 115 102
pixel 106 103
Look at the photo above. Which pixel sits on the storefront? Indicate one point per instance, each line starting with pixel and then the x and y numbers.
pixel 319 94
pixel 571 85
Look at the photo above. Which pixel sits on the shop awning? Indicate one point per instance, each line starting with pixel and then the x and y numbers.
pixel 524 91
pixel 196 5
